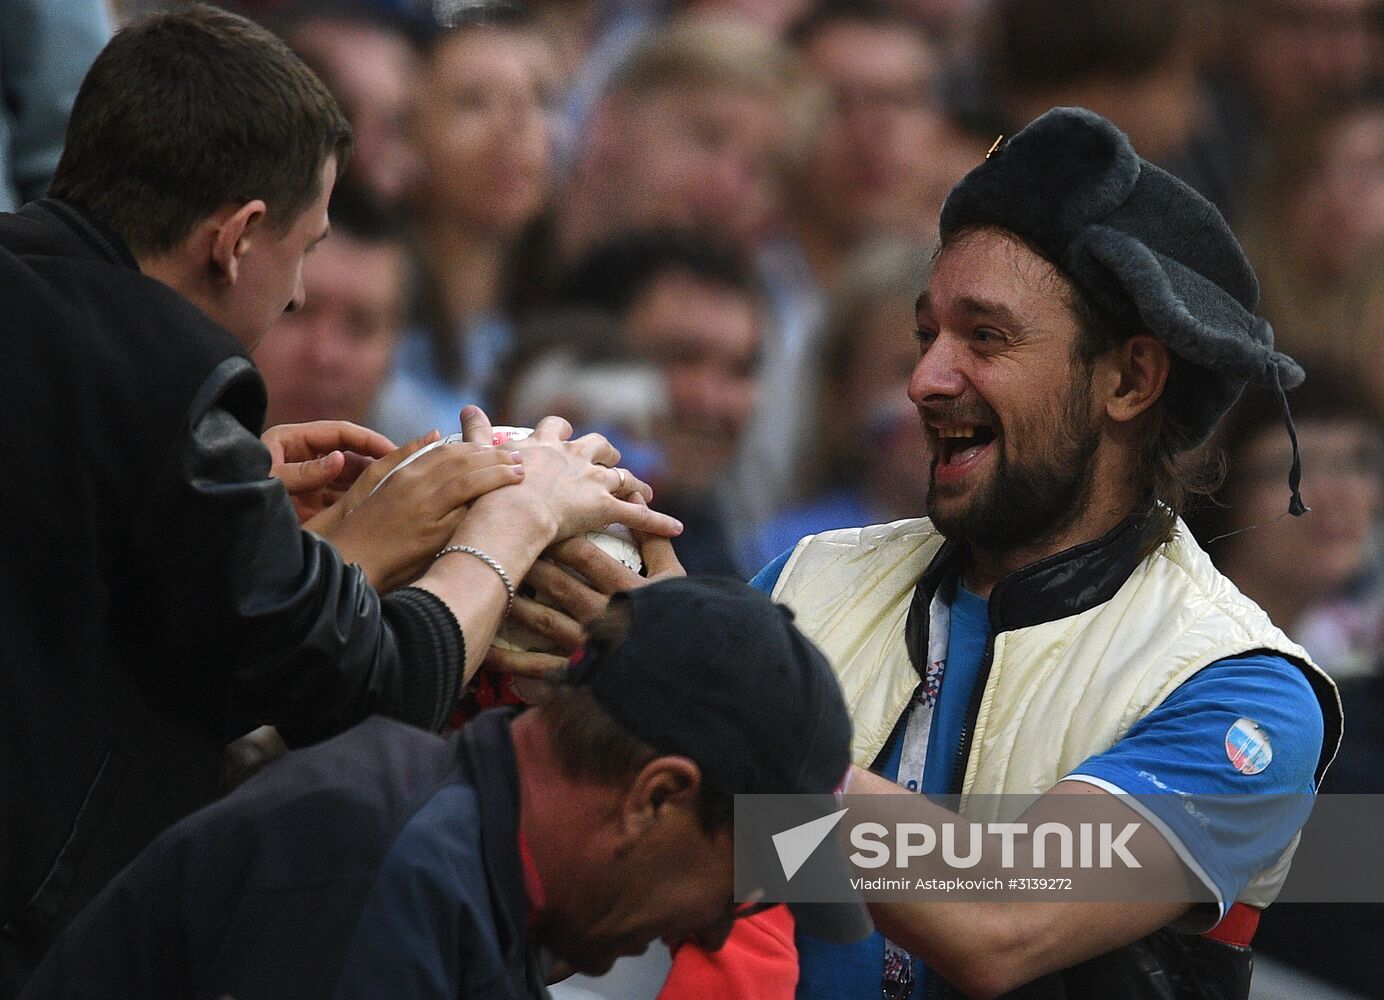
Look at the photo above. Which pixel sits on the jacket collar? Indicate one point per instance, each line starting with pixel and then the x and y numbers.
pixel 1059 586
pixel 1071 581
pixel 95 236
pixel 488 751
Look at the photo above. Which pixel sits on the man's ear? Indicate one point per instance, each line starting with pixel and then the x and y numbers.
pixel 1141 364
pixel 664 784
pixel 235 229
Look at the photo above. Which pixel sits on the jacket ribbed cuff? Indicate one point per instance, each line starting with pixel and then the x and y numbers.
pixel 432 655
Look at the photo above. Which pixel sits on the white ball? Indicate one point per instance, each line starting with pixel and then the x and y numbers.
pixel 615 541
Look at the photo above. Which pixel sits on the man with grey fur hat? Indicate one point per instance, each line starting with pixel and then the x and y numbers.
pixel 1052 628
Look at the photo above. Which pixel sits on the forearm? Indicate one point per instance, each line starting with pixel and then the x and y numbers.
pixel 988 947
pixel 958 939
pixel 281 630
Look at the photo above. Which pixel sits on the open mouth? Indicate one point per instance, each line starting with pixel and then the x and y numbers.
pixel 959 445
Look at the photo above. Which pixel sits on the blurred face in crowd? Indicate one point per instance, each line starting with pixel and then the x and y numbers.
pixel 1338 217
pixel 707 159
pixel 373 74
pixel 326 360
pixel 1297 54
pixel 1006 407
pixel 483 128
pixel 875 389
pixel 704 338
pixel 870 169
pixel 1343 482
pixel 773 16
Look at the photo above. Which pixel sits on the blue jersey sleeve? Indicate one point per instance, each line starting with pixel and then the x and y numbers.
pixel 1223 767
pixel 767 578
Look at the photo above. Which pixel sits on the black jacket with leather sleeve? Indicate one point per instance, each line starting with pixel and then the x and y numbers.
pixel 157 595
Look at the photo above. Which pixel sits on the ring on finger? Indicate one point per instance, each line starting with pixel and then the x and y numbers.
pixel 622 487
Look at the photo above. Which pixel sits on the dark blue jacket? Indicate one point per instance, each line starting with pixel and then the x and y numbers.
pixel 383 863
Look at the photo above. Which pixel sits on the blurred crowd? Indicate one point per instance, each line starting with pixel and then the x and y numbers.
pixel 699 227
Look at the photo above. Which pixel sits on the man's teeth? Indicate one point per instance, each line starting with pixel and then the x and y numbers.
pixel 956 432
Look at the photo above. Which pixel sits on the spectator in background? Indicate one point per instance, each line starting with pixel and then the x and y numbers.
pixel 1281 62
pixel 694 311
pixel 879 159
pixel 869 167
pixel 1320 575
pixel 944 19
pixel 1315 232
pixel 866 467
pixel 869 170
pixel 577 363
pixel 693 133
pixel 1323 573
pixel 772 16
pixel 1129 60
pixel 45 49
pixel 327 360
pixel 1294 57
pixel 367 60
pixel 482 129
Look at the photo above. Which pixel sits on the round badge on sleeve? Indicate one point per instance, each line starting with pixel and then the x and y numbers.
pixel 1248 747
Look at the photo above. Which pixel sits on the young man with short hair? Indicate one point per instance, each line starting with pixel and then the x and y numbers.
pixel 161 597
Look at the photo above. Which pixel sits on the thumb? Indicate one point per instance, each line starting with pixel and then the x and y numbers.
pixel 475 426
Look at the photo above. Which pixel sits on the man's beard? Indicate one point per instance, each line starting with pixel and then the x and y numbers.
pixel 1029 500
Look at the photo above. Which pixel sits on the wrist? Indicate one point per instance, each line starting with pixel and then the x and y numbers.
pixel 363 558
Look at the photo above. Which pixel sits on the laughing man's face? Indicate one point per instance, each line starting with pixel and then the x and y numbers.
pixel 1005 402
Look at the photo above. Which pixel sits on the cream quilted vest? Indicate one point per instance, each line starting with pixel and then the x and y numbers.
pixel 1057 692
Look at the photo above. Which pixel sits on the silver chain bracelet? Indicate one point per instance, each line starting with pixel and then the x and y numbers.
pixel 490 561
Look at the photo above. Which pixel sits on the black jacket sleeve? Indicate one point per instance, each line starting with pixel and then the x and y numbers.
pixel 267 613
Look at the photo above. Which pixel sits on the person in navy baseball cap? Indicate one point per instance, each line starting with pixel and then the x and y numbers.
pixel 711 669
pixel 533 843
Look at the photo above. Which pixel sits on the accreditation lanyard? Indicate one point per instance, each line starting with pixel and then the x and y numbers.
pixel 897 983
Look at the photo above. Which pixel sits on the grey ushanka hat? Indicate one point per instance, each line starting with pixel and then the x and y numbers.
pixel 1142 245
